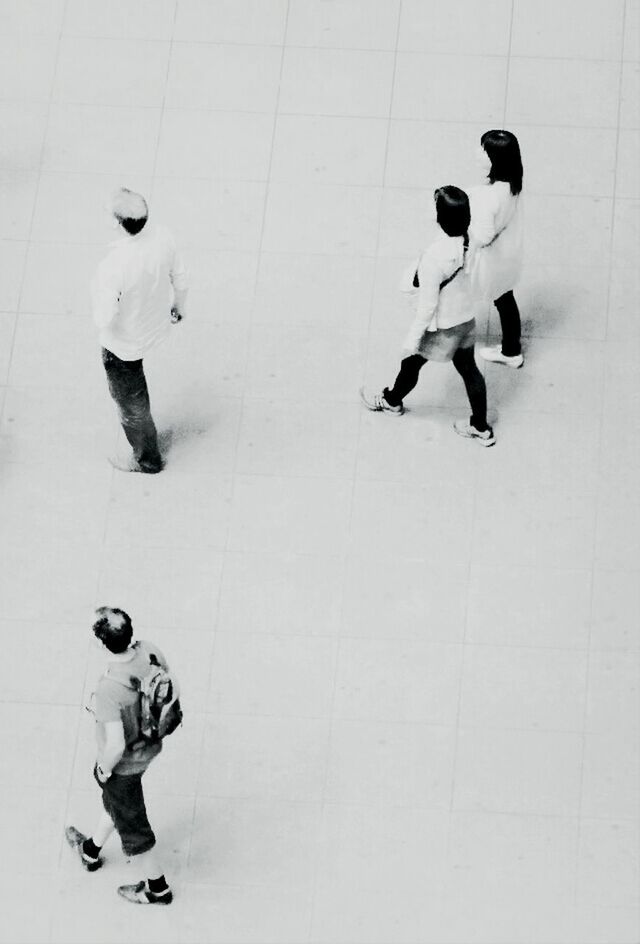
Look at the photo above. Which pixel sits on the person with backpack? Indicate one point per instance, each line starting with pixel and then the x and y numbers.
pixel 497 239
pixel 136 704
pixel 444 327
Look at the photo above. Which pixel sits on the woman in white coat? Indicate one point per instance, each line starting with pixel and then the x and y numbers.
pixel 497 239
pixel 444 326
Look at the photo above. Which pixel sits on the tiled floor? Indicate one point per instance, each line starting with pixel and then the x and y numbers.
pixel 410 665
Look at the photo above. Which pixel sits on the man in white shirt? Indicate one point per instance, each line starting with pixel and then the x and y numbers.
pixel 139 290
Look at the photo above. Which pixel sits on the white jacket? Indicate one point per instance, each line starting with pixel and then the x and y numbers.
pixel 496 235
pixel 436 307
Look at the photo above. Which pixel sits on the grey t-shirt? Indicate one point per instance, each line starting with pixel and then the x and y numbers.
pixel 116 699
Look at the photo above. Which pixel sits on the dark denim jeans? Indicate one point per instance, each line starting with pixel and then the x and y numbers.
pixel 128 387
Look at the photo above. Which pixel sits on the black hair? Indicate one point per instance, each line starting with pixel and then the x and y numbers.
pixel 132 226
pixel 503 151
pixel 452 211
pixel 113 628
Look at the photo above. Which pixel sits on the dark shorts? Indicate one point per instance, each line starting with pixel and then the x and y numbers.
pixel 124 802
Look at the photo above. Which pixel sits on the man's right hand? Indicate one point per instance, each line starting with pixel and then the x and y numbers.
pixel 176 315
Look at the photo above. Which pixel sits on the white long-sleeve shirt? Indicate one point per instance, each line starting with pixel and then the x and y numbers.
pixel 496 234
pixel 134 289
pixel 436 307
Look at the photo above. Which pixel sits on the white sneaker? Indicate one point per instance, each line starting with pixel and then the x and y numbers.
pixel 485 437
pixel 495 355
pixel 378 404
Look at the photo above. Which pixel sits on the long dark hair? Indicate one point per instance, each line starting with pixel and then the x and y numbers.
pixel 452 211
pixel 503 151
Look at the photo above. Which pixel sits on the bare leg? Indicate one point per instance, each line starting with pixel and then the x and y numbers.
pixel 103 830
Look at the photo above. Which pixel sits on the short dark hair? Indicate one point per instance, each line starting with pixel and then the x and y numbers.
pixel 503 151
pixel 452 210
pixel 133 227
pixel 113 628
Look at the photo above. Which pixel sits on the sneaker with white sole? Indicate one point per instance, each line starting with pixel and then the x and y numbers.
pixel 76 840
pixel 495 355
pixel 484 437
pixel 377 404
pixel 139 894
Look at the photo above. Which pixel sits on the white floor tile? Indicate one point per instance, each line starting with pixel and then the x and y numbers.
pixel 246 914
pixel 336 82
pixel 534 772
pixel 608 863
pixel 521 688
pixel 552 92
pixel 549 29
pixel 610 777
pixel 427 87
pixel 383 764
pixel 281 676
pixel 17 195
pixel 222 146
pixel 353 25
pixel 276 758
pixel 298 595
pixel 299 288
pixel 106 139
pixel 148 19
pixel 32 16
pixel 99 71
pixel 397 680
pixel 272 438
pixel 616 595
pixel 414 601
pixel 545 607
pixel 231 21
pixel 321 218
pixel 467 29
pixel 27 66
pixel 256 842
pixel 232 78
pixel 315 149
pixel 12 260
pixel 7 330
pixel 207 214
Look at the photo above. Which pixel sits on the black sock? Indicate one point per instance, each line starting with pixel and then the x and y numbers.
pixel 89 848
pixel 158 885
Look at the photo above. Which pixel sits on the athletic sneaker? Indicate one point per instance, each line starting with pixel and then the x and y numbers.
pixel 378 404
pixel 76 839
pixel 139 894
pixel 484 437
pixel 495 355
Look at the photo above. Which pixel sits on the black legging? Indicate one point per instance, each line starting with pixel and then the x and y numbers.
pixel 465 363
pixel 510 322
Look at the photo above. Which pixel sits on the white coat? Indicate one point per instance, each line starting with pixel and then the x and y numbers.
pixel 436 307
pixel 496 239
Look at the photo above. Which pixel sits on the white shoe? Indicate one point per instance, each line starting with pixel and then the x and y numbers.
pixel 495 355
pixel 485 437
pixel 378 404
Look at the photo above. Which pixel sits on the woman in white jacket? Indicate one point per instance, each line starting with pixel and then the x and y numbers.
pixel 496 239
pixel 444 326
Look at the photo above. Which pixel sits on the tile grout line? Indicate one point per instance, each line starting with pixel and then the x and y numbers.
pixel 354 479
pixel 234 473
pixel 594 554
